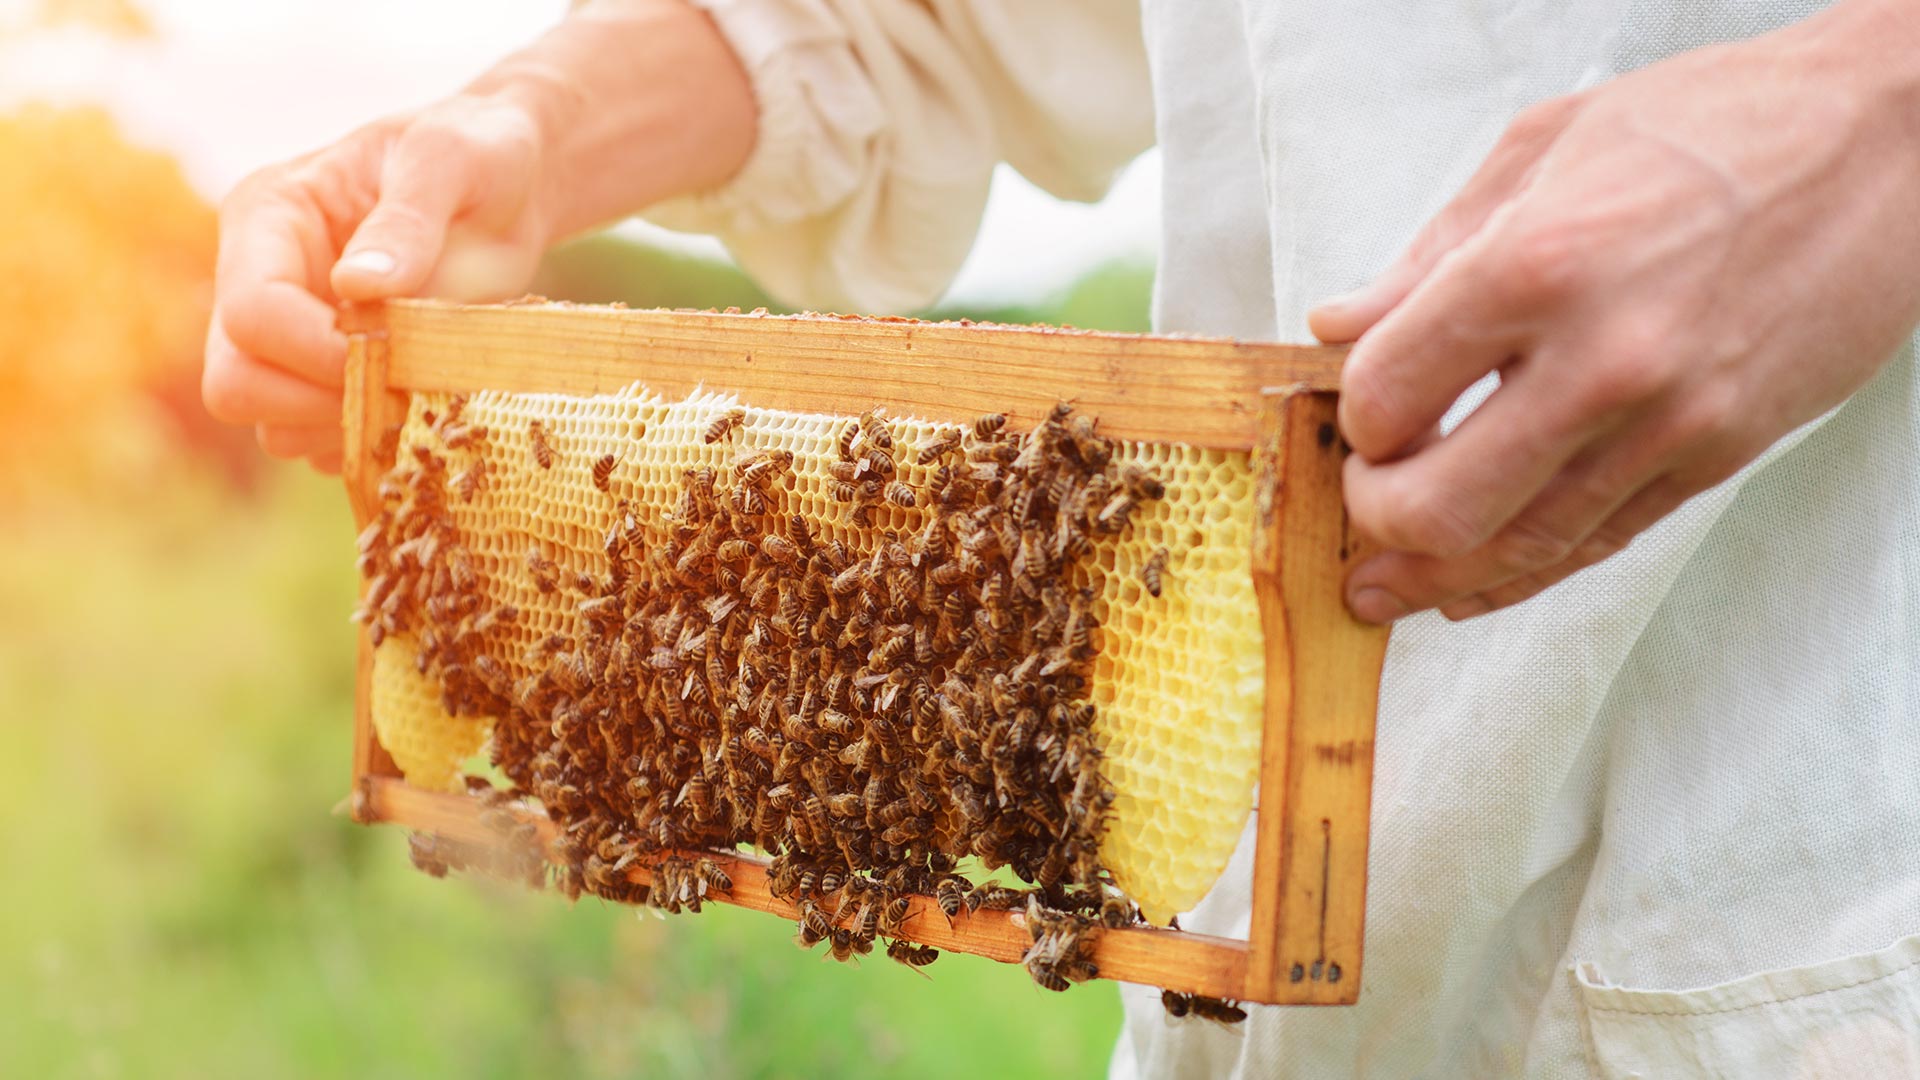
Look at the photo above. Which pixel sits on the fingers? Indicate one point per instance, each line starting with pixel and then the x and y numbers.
pixel 1455 493
pixel 1503 174
pixel 1567 520
pixel 240 389
pixel 1404 375
pixel 291 441
pixel 271 252
pixel 1634 517
pixel 426 179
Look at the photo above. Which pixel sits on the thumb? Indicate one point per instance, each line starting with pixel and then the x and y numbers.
pixel 1505 172
pixel 395 248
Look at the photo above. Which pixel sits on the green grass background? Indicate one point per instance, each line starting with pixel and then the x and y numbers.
pixel 179 896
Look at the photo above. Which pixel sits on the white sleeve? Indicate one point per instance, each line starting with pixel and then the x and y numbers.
pixel 881 122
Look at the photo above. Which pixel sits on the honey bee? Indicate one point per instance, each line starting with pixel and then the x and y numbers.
pixel 1224 1013
pixel 779 548
pixel 939 446
pixel 424 850
pixel 603 471
pixel 546 574
pixel 913 956
pixel 993 897
pixel 988 426
pixel 894 916
pixel 1090 448
pixel 866 925
pixel 1137 479
pixel 542 449
pixel 471 480
pixel 711 877
pixel 725 425
pixel 814 925
pixel 758 469
pixel 899 494
pixel 951 895
pixel 1047 978
pixel 878 461
pixel 874 427
pixel 843 443
pixel 1151 572
pixel 1117 912
pixel 749 501
pixel 841 944
pixel 1114 516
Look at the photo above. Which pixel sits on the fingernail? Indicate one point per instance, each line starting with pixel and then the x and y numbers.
pixel 369 261
pixel 1337 305
pixel 1376 605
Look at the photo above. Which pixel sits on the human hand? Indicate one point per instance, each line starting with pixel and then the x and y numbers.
pixel 441 202
pixel 1669 271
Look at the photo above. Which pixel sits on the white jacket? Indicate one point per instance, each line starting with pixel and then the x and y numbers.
pixel 1662 821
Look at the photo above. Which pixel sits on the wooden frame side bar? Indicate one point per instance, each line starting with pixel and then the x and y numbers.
pixel 369 409
pixel 1200 391
pixel 1192 963
pixel 1323 679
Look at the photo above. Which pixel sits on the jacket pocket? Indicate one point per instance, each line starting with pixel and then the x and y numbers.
pixel 1858 1016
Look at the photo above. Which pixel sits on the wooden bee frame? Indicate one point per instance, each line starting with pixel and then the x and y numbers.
pixel 1323 667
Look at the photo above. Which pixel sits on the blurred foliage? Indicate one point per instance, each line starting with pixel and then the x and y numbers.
pixel 108 259
pixel 111 18
pixel 175 692
pixel 607 269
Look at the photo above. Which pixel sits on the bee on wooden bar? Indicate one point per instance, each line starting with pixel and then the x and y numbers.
pixel 711 877
pixel 542 449
pixel 814 925
pixel 1224 1013
pixel 424 850
pixel 988 427
pixel 724 425
pixel 913 956
pixel 894 915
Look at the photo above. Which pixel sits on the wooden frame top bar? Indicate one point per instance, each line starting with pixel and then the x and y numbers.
pixel 1200 391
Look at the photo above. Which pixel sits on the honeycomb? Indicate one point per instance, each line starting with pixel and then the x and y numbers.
pixel 1177 679
pixel 428 745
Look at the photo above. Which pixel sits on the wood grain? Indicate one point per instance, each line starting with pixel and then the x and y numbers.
pixel 1193 963
pixel 1202 391
pixel 368 409
pixel 1323 679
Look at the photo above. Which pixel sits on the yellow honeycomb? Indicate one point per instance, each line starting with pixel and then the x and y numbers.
pixel 424 741
pixel 1178 681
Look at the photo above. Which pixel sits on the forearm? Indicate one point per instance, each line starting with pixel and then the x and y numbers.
pixel 635 101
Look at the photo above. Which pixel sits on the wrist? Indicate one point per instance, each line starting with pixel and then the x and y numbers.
pixel 1874 46
pixel 632 102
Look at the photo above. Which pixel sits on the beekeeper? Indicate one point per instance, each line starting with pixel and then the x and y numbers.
pixel 1633 284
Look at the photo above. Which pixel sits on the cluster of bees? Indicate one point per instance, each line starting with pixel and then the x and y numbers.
pixel 421 580
pixel 867 716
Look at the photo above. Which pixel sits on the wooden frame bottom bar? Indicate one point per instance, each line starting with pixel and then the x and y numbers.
pixel 1188 962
